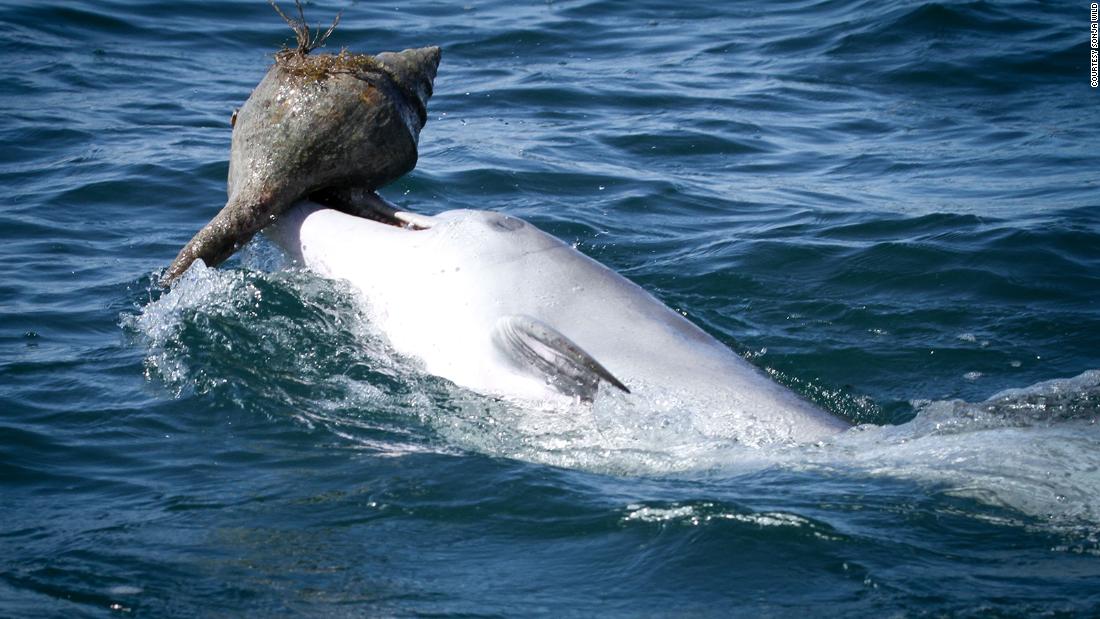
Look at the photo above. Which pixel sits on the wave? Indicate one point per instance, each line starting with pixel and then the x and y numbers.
pixel 958 45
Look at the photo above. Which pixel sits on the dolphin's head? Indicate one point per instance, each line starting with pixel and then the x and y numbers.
pixel 389 235
pixel 316 122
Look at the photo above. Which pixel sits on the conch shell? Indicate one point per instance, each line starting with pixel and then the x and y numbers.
pixel 316 122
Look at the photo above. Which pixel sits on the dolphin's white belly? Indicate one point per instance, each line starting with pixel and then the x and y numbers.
pixel 438 294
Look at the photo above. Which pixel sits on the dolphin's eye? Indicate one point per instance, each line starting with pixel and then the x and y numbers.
pixel 504 223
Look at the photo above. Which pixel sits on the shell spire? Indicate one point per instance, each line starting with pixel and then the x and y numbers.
pixel 414 70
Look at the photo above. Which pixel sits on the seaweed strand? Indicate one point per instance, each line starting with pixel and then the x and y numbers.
pixel 307 40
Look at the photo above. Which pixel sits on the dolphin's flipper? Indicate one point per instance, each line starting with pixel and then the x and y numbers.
pixel 541 350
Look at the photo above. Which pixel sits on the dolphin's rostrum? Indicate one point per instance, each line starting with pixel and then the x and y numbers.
pixel 316 122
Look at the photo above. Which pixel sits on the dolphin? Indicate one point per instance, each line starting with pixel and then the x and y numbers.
pixel 492 303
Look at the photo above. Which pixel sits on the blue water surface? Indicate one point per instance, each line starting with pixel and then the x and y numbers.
pixel 890 206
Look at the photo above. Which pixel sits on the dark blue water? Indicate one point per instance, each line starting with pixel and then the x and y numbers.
pixel 890 206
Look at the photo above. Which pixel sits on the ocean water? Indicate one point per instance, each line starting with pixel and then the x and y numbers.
pixel 891 207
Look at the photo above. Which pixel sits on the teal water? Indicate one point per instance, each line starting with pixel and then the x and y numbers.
pixel 890 206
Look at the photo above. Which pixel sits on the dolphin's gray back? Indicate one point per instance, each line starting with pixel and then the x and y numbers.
pixel 638 338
